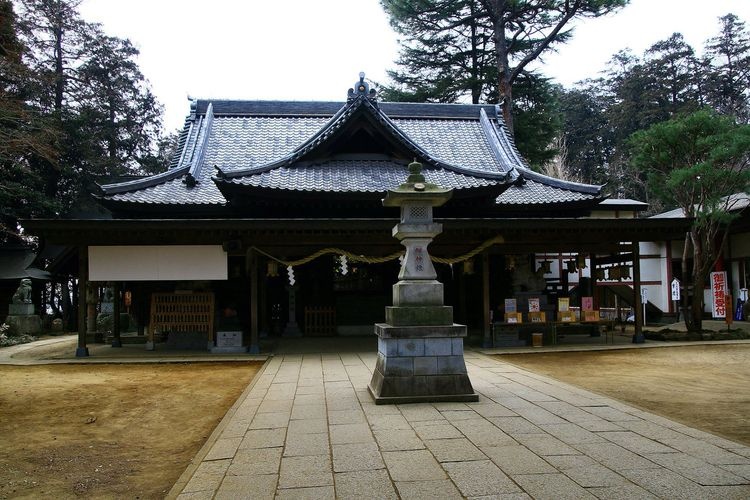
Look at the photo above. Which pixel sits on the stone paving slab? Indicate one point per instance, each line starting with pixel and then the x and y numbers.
pixel 306 427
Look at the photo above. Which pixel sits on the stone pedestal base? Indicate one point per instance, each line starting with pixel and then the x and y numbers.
pixel 420 364
pixel 24 324
pixel 21 309
pixel 292 330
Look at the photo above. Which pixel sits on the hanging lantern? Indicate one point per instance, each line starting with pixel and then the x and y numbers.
pixel 599 274
pixel 545 267
pixel 469 266
pixel 272 269
pixel 581 261
pixel 571 265
pixel 613 273
pixel 624 272
pixel 510 262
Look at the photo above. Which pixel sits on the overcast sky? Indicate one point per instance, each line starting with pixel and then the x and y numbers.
pixel 314 50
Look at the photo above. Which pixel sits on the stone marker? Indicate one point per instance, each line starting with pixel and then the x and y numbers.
pixel 420 349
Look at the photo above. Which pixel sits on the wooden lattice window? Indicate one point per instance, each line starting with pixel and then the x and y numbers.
pixel 183 312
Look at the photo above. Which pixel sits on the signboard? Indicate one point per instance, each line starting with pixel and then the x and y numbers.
pixel 718 292
pixel 675 289
pixel 644 295
pixel 157 263
pixel 563 304
pixel 510 305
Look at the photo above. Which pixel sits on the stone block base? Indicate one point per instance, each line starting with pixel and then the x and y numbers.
pixel 408 293
pixel 228 350
pixel 24 325
pixel 420 364
pixel 419 315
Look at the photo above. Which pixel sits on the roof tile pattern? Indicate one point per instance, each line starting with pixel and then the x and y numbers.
pixel 536 193
pixel 438 138
pixel 175 192
pixel 246 142
pixel 371 176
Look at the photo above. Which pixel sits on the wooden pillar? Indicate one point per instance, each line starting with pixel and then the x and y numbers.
pixel 116 341
pixel 461 302
pixel 592 280
pixel 638 337
pixel 487 331
pixel 83 267
pixel 254 344
pixel 264 319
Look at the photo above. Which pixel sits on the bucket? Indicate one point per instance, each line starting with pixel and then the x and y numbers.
pixel 536 339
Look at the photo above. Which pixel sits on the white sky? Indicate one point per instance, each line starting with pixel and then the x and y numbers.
pixel 314 50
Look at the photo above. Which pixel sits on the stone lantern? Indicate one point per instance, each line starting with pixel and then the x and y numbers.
pixel 420 349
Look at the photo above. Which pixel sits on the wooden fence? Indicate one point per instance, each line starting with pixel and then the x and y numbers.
pixel 320 321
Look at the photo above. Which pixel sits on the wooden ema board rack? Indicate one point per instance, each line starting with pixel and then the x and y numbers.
pixel 183 312
pixel 513 317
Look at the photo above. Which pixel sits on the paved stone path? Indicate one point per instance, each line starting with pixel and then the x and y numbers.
pixel 307 428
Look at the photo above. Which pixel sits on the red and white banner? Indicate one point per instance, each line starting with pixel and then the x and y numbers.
pixel 719 292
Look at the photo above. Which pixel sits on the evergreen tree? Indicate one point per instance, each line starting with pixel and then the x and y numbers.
pixel 523 30
pixel 447 52
pixel 672 64
pixel 453 48
pixel 586 133
pixel 696 162
pixel 95 94
pixel 728 61
pixel 26 136
pixel 538 121
pixel 117 118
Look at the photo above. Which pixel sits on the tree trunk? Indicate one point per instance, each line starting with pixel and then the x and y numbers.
pixel 688 318
pixel 476 86
pixel 505 90
pixel 699 282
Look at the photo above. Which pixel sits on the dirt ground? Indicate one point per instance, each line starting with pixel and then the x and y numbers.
pixel 704 386
pixel 109 431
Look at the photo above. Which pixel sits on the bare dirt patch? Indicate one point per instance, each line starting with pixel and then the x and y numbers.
pixel 703 386
pixel 109 431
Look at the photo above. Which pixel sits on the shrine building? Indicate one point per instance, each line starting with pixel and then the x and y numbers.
pixel 269 221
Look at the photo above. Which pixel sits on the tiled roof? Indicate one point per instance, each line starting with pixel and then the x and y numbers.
pixel 733 203
pixel 263 144
pixel 535 193
pixel 374 176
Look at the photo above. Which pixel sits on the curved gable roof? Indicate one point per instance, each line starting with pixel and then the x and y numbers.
pixel 291 146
